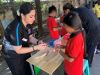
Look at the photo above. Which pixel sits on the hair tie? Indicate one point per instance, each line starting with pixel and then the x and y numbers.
pixel 18 13
pixel 82 29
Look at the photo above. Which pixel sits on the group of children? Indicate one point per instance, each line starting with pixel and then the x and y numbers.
pixel 74 43
pixel 74 22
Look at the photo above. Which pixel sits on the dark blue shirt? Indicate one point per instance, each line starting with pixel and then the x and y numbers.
pixel 17 34
pixel 89 21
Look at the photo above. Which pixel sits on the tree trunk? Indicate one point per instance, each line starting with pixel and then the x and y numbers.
pixel 1 31
pixel 39 17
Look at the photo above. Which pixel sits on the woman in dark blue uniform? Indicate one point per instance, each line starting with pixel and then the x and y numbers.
pixel 16 41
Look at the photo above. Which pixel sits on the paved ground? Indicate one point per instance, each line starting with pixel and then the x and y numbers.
pixel 95 69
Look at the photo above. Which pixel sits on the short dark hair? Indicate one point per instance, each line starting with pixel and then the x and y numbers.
pixel 25 8
pixel 68 6
pixel 52 8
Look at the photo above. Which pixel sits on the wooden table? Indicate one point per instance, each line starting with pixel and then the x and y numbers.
pixel 48 63
pixel 0 47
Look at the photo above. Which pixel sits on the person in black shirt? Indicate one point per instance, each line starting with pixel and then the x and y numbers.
pixel 17 37
pixel 92 28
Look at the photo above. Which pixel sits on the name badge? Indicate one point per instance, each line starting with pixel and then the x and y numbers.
pixel 24 39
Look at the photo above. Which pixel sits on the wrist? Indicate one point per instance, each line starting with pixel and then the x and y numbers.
pixel 35 47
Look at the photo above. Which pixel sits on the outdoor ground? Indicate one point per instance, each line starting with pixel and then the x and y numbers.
pixel 95 69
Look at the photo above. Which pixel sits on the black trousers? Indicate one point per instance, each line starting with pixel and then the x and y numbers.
pixel 98 46
pixel 17 63
pixel 91 43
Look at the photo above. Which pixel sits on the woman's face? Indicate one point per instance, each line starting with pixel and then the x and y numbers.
pixel 30 17
pixel 69 29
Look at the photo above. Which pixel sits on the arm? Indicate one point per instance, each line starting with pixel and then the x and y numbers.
pixel 64 39
pixel 54 28
pixel 74 49
pixel 64 42
pixel 24 50
pixel 54 25
pixel 66 56
pixel 33 40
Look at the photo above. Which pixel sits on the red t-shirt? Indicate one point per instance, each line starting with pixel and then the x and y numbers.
pixel 51 23
pixel 61 18
pixel 63 31
pixel 74 49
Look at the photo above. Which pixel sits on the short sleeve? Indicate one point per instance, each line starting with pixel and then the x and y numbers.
pixel 15 36
pixel 51 23
pixel 75 47
pixel 54 24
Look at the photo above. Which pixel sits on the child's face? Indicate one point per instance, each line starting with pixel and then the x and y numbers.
pixel 69 29
pixel 54 13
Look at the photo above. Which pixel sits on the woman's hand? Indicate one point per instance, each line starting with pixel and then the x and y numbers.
pixel 40 47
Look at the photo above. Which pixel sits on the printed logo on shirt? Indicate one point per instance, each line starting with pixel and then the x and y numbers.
pixel 24 39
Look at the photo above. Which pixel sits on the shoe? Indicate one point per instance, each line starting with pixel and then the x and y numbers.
pixel 98 52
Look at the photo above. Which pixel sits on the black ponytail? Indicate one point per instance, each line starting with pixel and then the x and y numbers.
pixel 73 20
pixel 24 9
pixel 84 38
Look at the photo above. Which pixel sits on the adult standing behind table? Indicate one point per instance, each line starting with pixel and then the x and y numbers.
pixel 16 41
pixel 92 28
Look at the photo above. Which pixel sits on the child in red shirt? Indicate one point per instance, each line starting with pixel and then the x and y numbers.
pixel 66 10
pixel 73 62
pixel 51 23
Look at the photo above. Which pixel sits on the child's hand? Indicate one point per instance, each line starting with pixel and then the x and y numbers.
pixel 40 46
pixel 63 42
pixel 57 48
pixel 57 42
